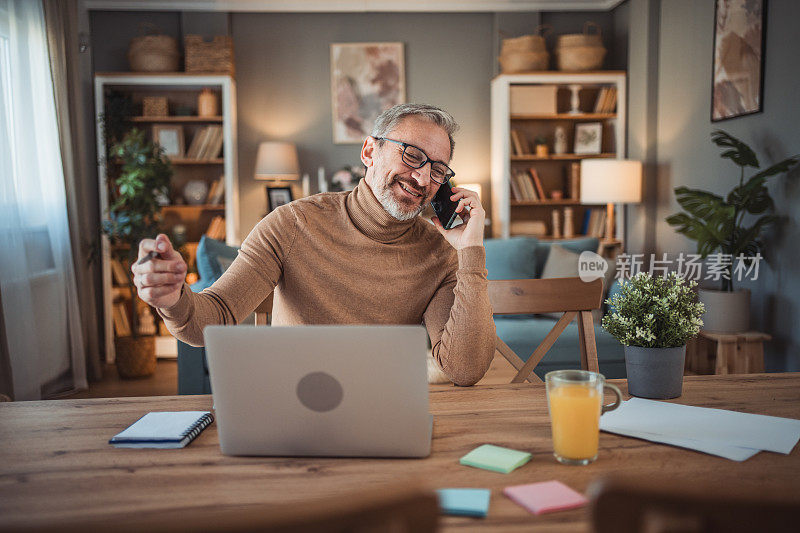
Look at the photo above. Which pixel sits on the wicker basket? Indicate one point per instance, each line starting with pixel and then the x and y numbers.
pixel 581 51
pixel 154 106
pixel 524 61
pixel 215 55
pixel 153 52
pixel 136 356
pixel 525 53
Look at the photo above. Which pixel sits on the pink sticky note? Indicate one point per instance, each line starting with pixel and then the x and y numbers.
pixel 545 497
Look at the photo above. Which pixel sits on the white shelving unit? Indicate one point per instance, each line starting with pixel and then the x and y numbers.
pixel 502 123
pixel 168 82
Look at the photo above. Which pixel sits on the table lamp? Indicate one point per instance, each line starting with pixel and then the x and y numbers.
pixel 277 161
pixel 611 181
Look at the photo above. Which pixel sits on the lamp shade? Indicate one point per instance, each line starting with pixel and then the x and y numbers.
pixel 617 181
pixel 277 161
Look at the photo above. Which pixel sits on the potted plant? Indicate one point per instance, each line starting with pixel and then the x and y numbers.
pixel 540 144
pixel 731 225
pixel 139 174
pixel 653 317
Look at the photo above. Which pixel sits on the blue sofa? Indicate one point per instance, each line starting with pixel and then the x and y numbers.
pixel 524 258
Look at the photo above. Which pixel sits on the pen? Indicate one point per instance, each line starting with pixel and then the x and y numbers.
pixel 148 257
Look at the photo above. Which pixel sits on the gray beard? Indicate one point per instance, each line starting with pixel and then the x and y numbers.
pixel 394 208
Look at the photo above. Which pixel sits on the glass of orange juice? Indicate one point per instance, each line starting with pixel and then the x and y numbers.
pixel 575 400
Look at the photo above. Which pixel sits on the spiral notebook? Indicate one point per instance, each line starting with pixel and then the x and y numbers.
pixel 163 429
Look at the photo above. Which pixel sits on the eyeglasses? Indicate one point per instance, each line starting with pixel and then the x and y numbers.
pixel 416 158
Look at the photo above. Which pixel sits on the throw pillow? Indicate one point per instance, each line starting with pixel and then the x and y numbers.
pixel 563 263
pixel 513 258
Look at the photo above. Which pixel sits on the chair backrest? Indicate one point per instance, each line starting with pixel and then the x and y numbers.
pixel 632 505
pixel 264 310
pixel 398 509
pixel 570 296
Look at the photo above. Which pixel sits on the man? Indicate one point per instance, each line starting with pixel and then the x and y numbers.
pixel 357 257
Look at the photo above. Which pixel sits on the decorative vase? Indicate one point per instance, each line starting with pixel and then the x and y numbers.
pixel 136 356
pixel 726 312
pixel 207 104
pixel 655 372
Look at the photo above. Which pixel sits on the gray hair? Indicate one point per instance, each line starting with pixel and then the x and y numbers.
pixel 389 119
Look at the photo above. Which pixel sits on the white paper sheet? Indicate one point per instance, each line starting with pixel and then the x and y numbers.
pixel 730 434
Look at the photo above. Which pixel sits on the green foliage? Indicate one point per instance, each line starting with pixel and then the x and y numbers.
pixel 145 173
pixel 654 312
pixel 718 224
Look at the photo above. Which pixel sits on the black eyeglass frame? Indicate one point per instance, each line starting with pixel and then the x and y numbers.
pixel 448 176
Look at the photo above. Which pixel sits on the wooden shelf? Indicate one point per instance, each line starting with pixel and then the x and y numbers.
pixel 185 161
pixel 190 207
pixel 566 116
pixel 176 118
pixel 561 157
pixel 549 201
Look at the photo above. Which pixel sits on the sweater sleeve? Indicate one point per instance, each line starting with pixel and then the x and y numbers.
pixel 459 320
pixel 250 278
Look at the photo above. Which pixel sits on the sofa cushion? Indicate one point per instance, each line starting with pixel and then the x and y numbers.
pixel 209 266
pixel 575 245
pixel 513 258
pixel 523 335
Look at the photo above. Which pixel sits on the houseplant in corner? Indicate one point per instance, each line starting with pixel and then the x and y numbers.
pixel 140 173
pixel 653 317
pixel 733 226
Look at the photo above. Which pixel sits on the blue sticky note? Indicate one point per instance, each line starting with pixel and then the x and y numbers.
pixel 495 458
pixel 464 502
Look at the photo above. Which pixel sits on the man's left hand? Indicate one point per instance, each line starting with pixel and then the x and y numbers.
pixel 469 208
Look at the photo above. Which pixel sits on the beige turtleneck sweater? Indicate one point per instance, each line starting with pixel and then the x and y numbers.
pixel 340 258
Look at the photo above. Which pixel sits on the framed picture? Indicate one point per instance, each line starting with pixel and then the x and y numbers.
pixel 170 138
pixel 366 79
pixel 588 138
pixel 738 78
pixel 278 196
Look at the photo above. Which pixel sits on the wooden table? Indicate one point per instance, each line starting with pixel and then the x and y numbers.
pixel 55 463
pixel 726 353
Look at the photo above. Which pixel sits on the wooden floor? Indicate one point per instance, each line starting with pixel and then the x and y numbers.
pixel 163 383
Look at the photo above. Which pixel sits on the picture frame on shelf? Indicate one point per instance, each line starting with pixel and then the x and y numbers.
pixel 737 78
pixel 170 138
pixel 366 79
pixel 588 138
pixel 278 196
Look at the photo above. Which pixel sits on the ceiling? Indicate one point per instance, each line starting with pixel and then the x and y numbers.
pixel 321 6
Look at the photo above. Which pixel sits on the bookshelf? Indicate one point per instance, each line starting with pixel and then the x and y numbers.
pixel 216 166
pixel 528 106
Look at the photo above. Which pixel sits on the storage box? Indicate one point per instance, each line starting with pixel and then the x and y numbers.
pixel 154 106
pixel 533 99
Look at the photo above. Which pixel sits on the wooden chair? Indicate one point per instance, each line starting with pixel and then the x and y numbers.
pixel 622 505
pixel 570 296
pixel 398 509
pixel 264 310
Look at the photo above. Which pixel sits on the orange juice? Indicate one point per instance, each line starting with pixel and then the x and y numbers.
pixel 575 419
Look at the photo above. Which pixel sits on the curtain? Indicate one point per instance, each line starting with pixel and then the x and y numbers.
pixel 74 115
pixel 37 277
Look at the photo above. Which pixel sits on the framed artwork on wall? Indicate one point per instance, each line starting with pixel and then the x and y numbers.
pixel 278 196
pixel 170 138
pixel 366 79
pixel 588 138
pixel 738 78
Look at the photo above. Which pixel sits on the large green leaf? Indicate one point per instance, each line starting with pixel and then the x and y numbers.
pixel 751 200
pixel 778 168
pixel 699 203
pixel 738 152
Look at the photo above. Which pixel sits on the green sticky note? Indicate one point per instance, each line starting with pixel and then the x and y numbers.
pixel 495 458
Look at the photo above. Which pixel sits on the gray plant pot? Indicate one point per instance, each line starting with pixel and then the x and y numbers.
pixel 726 312
pixel 655 372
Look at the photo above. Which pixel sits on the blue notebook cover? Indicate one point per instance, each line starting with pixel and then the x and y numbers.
pixel 163 429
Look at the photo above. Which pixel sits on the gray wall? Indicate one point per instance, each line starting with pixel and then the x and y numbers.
pixel 685 155
pixel 283 79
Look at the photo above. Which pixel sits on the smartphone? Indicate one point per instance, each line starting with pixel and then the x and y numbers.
pixel 443 206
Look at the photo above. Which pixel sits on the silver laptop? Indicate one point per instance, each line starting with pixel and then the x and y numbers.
pixel 337 391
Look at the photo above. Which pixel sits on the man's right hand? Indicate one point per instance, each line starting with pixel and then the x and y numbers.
pixel 159 281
